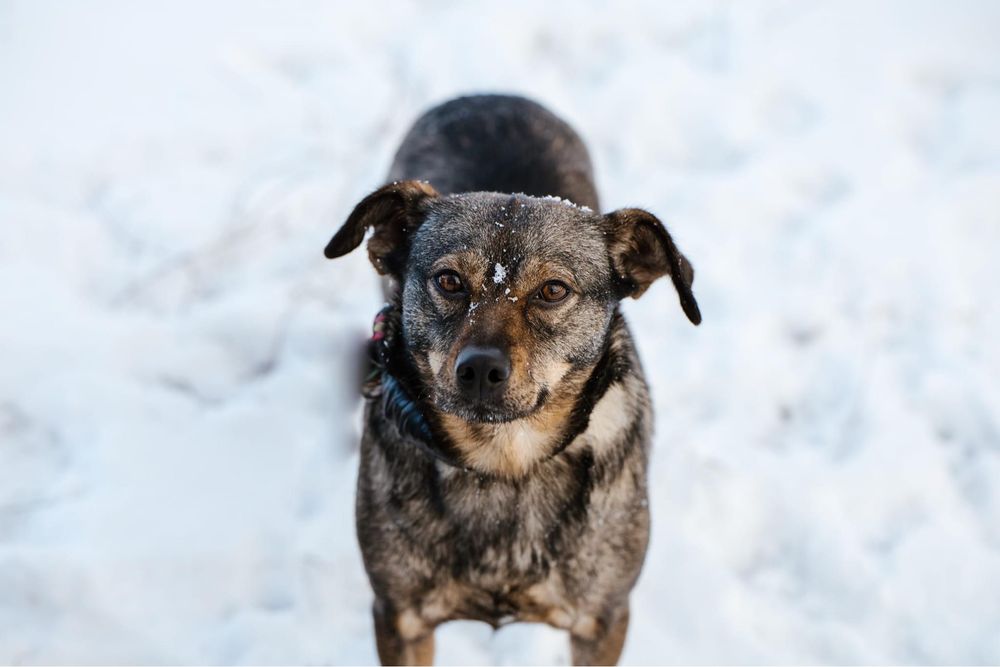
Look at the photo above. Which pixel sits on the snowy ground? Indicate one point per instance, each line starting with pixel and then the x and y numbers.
pixel 178 444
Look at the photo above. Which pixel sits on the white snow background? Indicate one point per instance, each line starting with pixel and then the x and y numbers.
pixel 177 429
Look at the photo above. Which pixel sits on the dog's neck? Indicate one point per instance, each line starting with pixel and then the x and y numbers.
pixel 508 449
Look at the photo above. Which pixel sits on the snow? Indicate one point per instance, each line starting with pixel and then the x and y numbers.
pixel 566 202
pixel 499 273
pixel 177 430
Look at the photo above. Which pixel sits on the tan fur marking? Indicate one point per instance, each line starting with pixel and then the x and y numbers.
pixel 585 627
pixel 610 417
pixel 551 374
pixel 422 652
pixel 436 361
pixel 440 603
pixel 552 606
pixel 508 449
pixel 604 647
pixel 410 625
pixel 559 618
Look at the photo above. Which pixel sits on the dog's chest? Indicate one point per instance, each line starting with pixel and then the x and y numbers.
pixel 513 529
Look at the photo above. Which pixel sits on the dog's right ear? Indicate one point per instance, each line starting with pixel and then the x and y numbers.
pixel 642 250
pixel 394 211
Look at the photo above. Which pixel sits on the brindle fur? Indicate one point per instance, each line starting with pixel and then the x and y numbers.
pixel 534 509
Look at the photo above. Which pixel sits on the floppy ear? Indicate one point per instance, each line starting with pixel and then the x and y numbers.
pixel 641 251
pixel 394 211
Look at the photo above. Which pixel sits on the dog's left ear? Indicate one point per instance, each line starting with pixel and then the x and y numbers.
pixel 642 250
pixel 394 211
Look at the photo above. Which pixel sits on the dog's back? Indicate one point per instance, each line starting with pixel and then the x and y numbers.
pixel 497 143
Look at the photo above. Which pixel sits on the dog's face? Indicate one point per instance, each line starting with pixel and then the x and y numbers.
pixel 507 300
pixel 503 297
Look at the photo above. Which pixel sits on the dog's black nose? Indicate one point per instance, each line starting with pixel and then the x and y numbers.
pixel 482 372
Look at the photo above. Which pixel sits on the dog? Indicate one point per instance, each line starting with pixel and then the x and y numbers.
pixel 506 435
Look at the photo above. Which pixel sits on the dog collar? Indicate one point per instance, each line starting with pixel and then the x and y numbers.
pixel 390 379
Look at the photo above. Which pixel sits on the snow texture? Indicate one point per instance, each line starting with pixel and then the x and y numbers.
pixel 566 202
pixel 178 426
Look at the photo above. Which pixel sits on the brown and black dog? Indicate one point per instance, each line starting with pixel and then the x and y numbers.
pixel 503 466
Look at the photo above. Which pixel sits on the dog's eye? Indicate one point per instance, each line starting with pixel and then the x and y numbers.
pixel 449 282
pixel 553 292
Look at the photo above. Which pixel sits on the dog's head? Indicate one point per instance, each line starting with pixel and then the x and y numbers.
pixel 507 299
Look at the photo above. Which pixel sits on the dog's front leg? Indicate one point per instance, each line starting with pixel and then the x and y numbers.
pixel 400 638
pixel 597 643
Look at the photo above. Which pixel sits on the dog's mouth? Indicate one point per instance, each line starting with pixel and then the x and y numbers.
pixel 492 413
